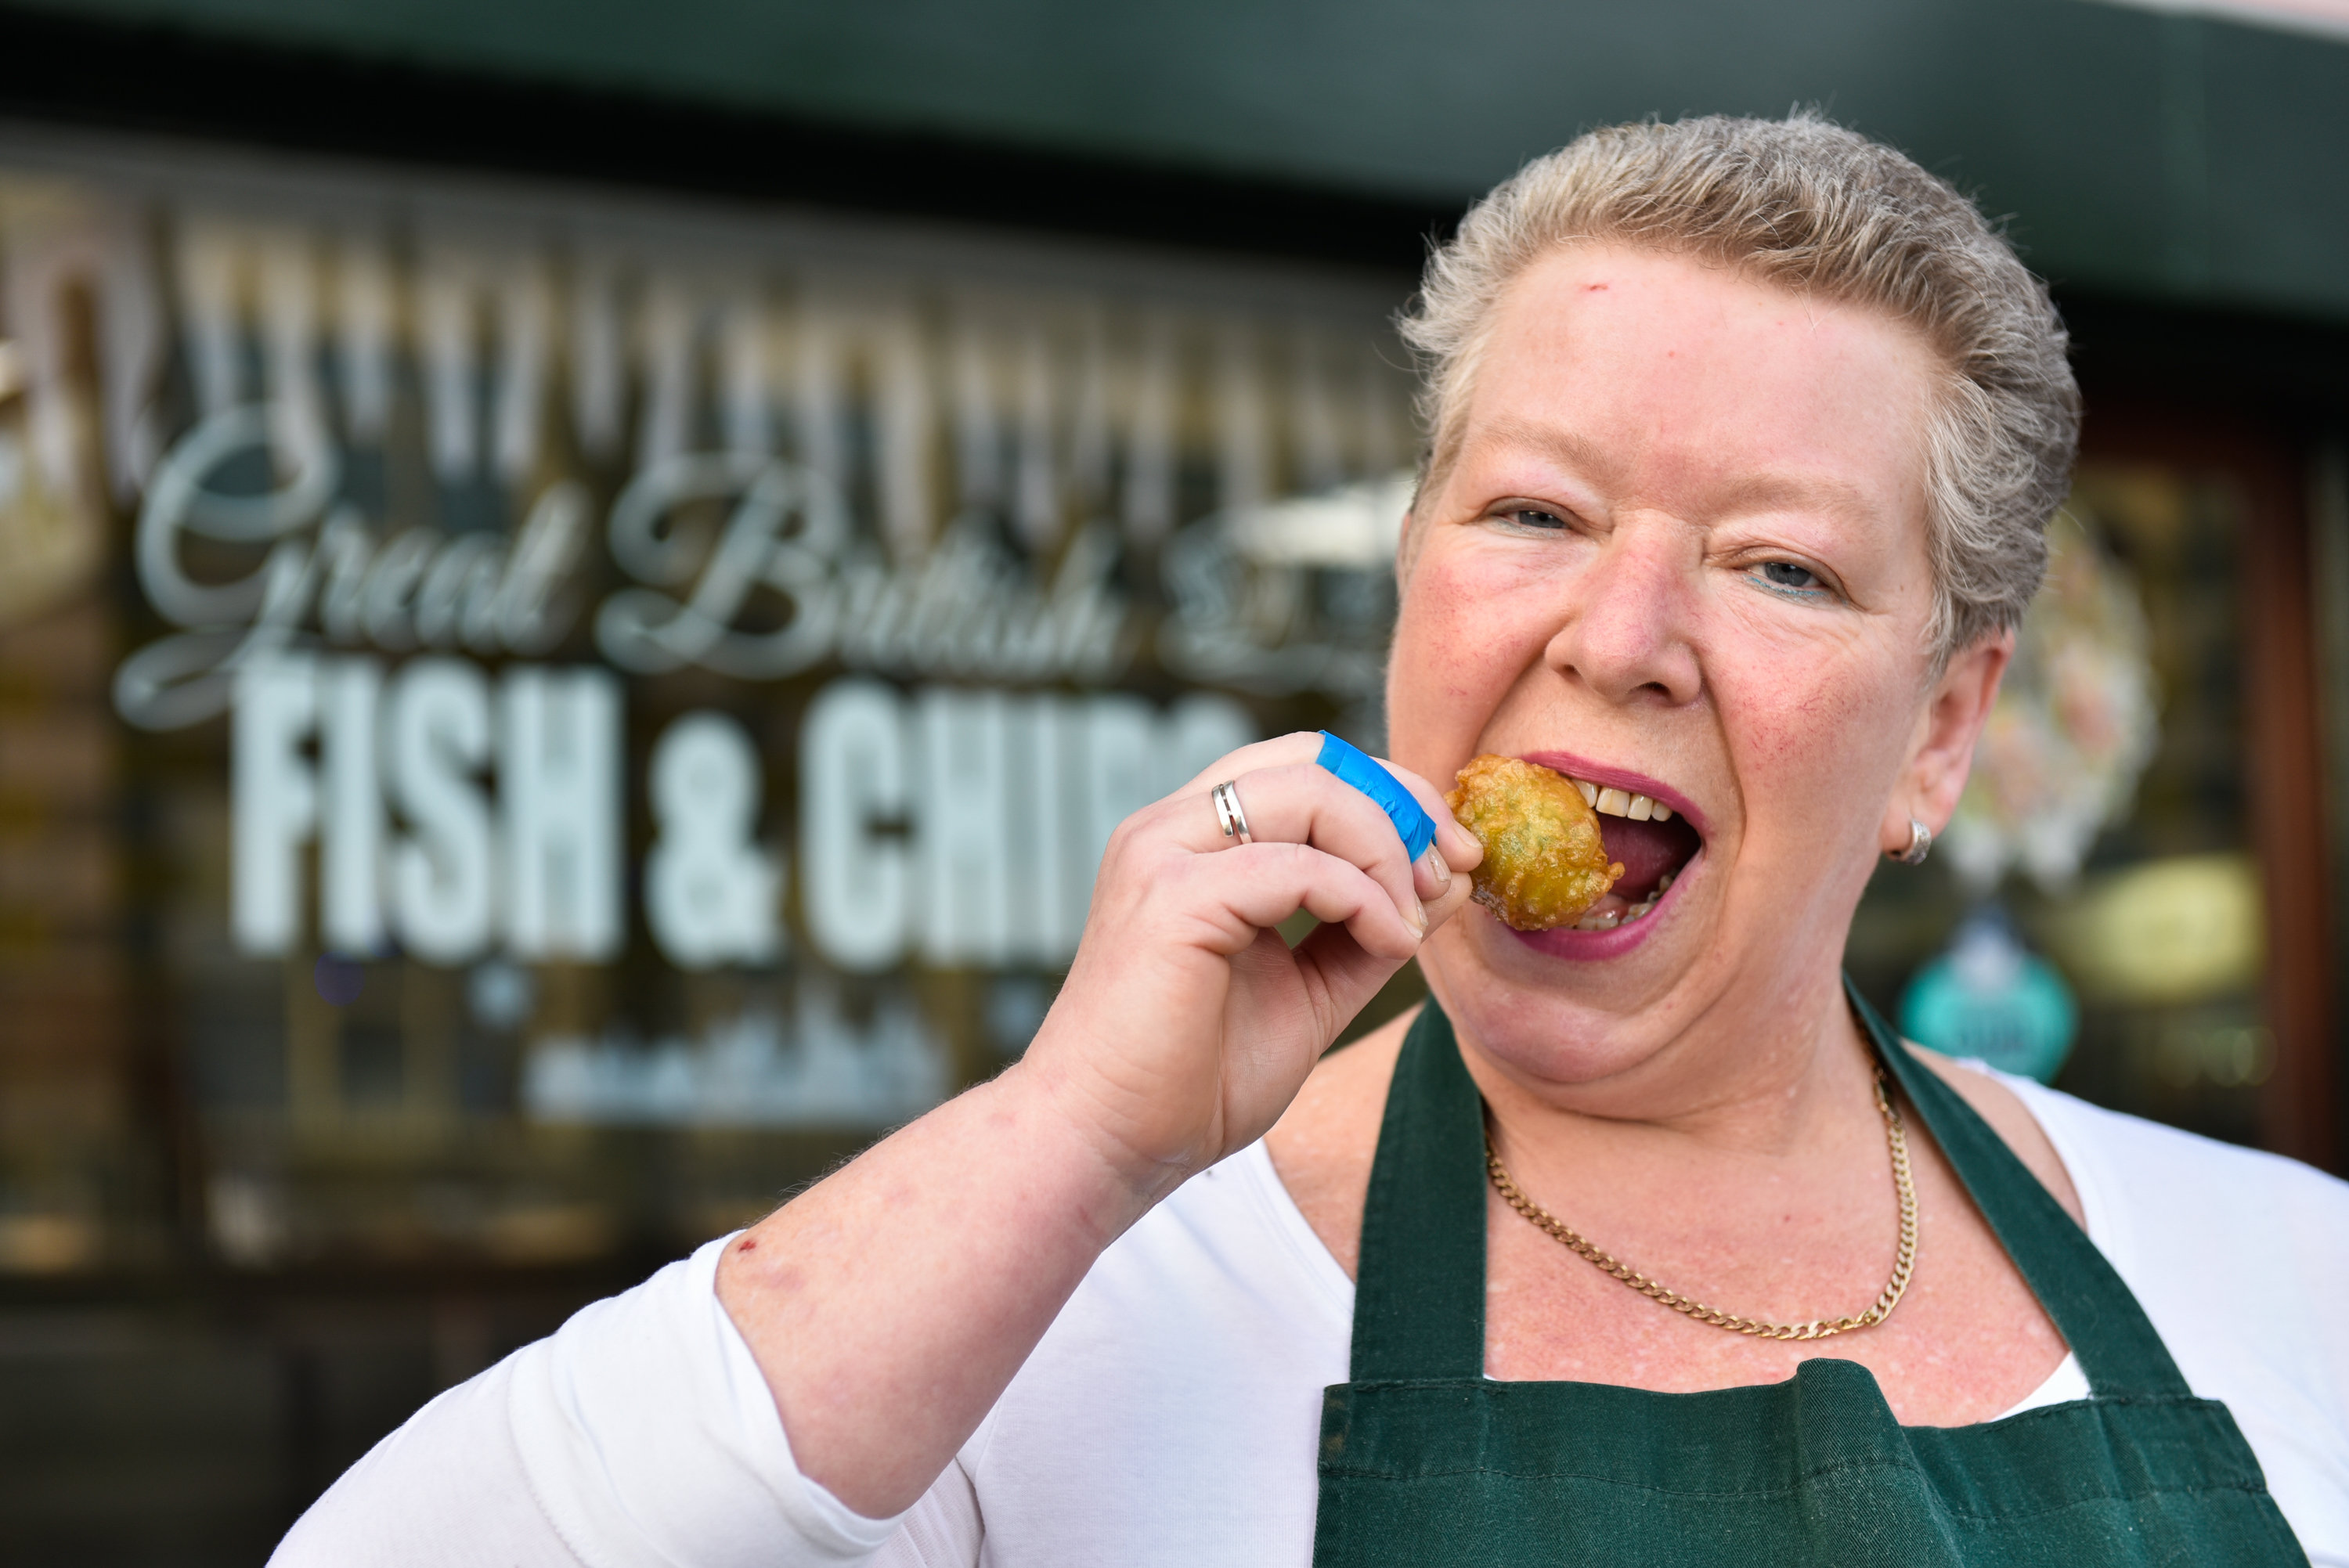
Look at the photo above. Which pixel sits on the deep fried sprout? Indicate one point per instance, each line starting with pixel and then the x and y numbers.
pixel 1545 862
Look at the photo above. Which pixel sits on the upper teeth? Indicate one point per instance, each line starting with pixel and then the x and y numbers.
pixel 1623 803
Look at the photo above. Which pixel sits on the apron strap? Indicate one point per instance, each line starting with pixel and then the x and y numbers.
pixel 1419 1295
pixel 2095 1310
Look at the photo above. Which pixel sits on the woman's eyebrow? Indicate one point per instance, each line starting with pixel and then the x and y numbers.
pixel 1796 491
pixel 1555 443
pixel 1802 489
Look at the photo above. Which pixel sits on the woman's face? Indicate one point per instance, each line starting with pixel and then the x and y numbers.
pixel 1682 552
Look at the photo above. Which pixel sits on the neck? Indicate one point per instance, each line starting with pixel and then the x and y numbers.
pixel 1759 1074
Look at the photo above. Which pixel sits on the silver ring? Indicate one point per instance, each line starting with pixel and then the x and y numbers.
pixel 1234 822
pixel 1921 844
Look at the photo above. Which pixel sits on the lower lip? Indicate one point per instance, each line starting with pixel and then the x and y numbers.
pixel 1591 947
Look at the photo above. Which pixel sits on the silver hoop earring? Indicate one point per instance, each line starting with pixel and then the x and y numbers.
pixel 1921 844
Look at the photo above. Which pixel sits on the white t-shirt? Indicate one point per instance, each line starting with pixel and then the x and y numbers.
pixel 1171 1413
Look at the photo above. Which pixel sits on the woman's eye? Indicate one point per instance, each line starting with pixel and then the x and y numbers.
pixel 1791 577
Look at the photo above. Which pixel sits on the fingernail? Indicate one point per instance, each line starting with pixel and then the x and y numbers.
pixel 1437 867
pixel 1418 912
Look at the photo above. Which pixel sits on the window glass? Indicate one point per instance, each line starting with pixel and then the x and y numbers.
pixel 525 735
pixel 2119 875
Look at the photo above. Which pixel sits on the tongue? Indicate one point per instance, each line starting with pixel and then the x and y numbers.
pixel 1648 850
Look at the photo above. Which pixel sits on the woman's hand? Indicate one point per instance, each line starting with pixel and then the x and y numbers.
pixel 1187 1024
pixel 891 1305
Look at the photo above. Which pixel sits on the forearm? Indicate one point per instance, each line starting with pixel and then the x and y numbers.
pixel 890 1305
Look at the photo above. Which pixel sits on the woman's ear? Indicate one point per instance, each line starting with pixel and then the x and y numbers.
pixel 1943 750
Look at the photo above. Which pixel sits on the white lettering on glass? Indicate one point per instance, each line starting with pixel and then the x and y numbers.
pixel 274 802
pixel 1047 899
pixel 853 779
pixel 559 800
pixel 421 588
pixel 548 866
pixel 350 849
pixel 711 896
pixel 437 728
pixel 965 608
pixel 810 1066
pixel 1008 802
pixel 964 851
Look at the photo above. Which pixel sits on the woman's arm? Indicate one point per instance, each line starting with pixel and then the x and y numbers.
pixel 639 1435
pixel 890 1305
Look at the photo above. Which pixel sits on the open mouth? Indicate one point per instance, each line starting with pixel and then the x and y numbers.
pixel 1653 842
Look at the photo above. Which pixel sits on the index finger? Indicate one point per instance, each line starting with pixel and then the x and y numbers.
pixel 1410 803
pixel 1353 766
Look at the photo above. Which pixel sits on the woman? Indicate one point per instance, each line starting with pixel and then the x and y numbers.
pixel 1743 438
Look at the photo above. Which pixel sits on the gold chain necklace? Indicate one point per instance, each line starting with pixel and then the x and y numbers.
pixel 1904 1262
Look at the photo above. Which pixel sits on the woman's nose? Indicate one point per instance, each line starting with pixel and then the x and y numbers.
pixel 1626 630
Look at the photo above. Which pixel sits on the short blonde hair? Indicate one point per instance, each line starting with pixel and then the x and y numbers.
pixel 1818 209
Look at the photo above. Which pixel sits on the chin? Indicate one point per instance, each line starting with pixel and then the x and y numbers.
pixel 1565 1006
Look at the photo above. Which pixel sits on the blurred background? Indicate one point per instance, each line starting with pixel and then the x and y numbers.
pixel 581 585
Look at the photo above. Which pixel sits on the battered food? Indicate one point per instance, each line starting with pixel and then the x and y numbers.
pixel 1545 862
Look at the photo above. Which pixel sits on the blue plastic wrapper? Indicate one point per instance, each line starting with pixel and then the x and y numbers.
pixel 1401 805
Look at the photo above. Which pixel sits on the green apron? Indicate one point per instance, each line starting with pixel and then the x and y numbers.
pixel 1426 1461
